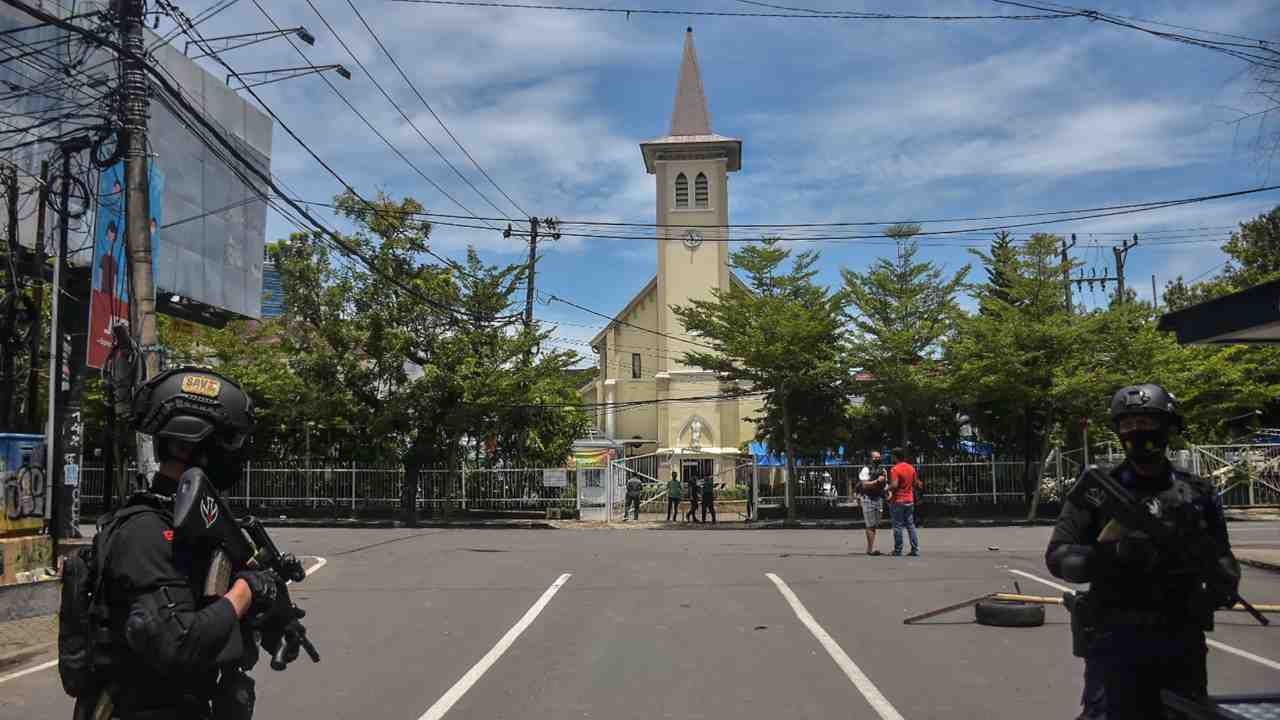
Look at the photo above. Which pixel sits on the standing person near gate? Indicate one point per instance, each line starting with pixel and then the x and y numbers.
pixel 673 497
pixel 694 492
pixel 709 497
pixel 903 482
pixel 634 489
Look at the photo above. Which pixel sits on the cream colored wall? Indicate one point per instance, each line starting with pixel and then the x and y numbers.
pixel 628 339
pixel 686 274
pixel 630 422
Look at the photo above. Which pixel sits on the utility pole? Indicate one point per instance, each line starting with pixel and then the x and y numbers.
pixel 37 296
pixel 8 347
pixel 1154 302
pixel 1120 253
pixel 53 438
pixel 142 306
pixel 530 290
pixel 1066 267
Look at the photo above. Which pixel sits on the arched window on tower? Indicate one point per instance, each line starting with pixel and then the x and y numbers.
pixel 700 194
pixel 682 191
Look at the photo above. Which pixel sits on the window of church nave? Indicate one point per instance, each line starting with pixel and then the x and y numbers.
pixel 700 195
pixel 682 191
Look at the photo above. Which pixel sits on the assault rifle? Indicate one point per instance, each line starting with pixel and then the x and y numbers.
pixel 1098 490
pixel 200 515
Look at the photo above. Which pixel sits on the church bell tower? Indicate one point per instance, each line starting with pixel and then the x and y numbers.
pixel 691 167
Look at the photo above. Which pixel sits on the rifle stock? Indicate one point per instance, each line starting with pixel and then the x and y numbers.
pixel 202 516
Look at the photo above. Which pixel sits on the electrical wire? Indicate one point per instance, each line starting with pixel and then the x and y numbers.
pixel 399 109
pixel 1052 15
pixel 438 119
pixel 353 109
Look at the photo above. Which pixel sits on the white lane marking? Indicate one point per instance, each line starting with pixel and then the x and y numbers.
pixel 28 671
pixel 1212 643
pixel 460 688
pixel 320 562
pixel 859 679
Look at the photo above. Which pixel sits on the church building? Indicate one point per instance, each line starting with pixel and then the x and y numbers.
pixel 639 352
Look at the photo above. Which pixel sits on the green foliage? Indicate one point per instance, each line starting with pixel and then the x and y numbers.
pixel 901 314
pixel 781 337
pixel 366 371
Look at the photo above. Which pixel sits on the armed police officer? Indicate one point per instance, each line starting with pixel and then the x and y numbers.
pixel 177 649
pixel 1141 625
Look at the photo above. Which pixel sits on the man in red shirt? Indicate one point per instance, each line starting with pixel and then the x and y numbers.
pixel 903 482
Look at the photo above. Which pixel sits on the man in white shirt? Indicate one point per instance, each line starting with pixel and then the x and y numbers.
pixel 871 484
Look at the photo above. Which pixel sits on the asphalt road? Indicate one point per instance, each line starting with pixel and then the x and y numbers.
pixel 679 624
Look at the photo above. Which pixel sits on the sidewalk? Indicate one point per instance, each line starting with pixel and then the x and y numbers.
pixel 23 639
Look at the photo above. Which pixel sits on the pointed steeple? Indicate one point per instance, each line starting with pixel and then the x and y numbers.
pixel 690 115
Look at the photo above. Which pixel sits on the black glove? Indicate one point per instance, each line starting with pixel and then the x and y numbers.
pixel 267 589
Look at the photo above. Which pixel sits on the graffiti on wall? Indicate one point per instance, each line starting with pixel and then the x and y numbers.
pixel 25 493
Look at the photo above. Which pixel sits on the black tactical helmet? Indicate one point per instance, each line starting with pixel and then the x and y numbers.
pixel 1148 399
pixel 198 406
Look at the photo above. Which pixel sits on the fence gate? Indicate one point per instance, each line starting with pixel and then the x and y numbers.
pixel 644 467
pixel 1244 474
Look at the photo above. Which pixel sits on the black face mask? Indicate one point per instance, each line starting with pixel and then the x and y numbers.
pixel 1145 447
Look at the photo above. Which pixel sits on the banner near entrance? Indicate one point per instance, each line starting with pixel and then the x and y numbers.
pixel 109 294
pixel 593 458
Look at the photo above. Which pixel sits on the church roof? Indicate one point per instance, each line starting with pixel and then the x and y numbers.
pixel 690 117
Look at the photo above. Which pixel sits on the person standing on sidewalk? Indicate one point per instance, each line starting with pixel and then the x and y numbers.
pixel 694 492
pixel 673 497
pixel 871 486
pixel 709 497
pixel 903 481
pixel 634 489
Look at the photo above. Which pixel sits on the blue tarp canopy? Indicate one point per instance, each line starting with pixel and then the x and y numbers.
pixel 765 458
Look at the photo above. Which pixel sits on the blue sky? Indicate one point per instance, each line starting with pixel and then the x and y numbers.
pixel 841 121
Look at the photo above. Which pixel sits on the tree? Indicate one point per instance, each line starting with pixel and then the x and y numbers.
pixel 1253 258
pixel 384 373
pixel 1005 361
pixel 1220 383
pixel 782 338
pixel 999 266
pixel 901 312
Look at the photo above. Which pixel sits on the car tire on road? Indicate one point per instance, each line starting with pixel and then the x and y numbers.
pixel 1008 613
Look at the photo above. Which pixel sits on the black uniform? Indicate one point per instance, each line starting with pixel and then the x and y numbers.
pixel 709 499
pixel 694 493
pixel 169 646
pixel 634 489
pixel 1144 618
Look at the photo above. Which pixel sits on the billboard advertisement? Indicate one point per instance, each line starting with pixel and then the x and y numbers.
pixel 211 255
pixel 109 293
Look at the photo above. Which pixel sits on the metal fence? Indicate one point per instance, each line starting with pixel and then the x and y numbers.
pixel 355 486
pixel 1245 475
pixel 949 483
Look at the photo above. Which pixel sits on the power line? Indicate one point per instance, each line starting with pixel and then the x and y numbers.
pixel 176 94
pixel 1052 15
pixel 353 109
pixel 1270 60
pixel 1138 206
pixel 399 109
pixel 620 321
pixel 427 105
